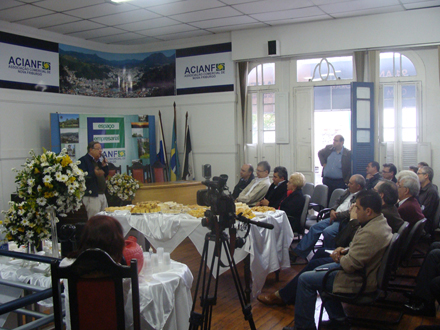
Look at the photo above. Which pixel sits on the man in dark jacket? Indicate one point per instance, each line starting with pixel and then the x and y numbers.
pixel 336 163
pixel 428 196
pixel 246 176
pixel 277 190
pixel 97 170
pixel 373 174
pixel 408 188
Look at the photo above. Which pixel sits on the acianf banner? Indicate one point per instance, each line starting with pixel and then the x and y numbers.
pixel 204 69
pixel 27 63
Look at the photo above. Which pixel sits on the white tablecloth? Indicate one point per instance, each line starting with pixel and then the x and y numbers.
pixel 269 249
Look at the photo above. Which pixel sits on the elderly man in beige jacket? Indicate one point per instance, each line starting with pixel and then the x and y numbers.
pixel 365 252
pixel 257 189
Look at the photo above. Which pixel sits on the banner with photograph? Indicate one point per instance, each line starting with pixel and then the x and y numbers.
pixel 94 73
pixel 125 139
pixel 28 63
pixel 204 69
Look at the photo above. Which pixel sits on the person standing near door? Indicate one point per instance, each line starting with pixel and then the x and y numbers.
pixel 336 163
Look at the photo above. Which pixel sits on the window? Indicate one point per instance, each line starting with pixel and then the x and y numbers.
pixel 324 69
pixel 262 75
pixel 263 117
pixel 396 65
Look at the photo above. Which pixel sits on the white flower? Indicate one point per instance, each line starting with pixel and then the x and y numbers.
pixel 47 179
pixel 71 189
pixel 41 201
pixel 64 178
pixel 58 176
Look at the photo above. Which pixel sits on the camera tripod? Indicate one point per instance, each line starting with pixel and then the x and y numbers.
pixel 208 301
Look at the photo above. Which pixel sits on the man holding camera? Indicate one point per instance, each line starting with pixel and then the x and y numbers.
pixel 257 189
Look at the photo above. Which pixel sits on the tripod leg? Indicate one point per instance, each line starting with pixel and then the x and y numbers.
pixel 246 308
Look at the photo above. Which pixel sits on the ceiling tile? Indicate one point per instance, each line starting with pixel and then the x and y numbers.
pixel 325 2
pixel 235 2
pixel 107 31
pixel 206 14
pixel 288 14
pixel 151 3
pixel 421 4
pixel 191 34
pixel 141 41
pixel 222 29
pixel 63 5
pixel 168 30
pixel 357 5
pixel 148 24
pixel 224 22
pixel 299 20
pixel 22 12
pixel 185 7
pixel 370 11
pixel 274 5
pixel 9 4
pixel 75 27
pixel 117 38
pixel 126 17
pixel 100 10
pixel 48 20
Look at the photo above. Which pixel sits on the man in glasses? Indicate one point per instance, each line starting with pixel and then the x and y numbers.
pixel 389 172
pixel 257 189
pixel 96 167
pixel 428 196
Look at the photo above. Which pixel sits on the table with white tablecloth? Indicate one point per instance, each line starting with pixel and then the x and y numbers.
pixel 268 249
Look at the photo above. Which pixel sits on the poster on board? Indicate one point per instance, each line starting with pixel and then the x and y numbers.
pixel 28 63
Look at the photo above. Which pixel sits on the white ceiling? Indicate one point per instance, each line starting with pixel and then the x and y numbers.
pixel 144 21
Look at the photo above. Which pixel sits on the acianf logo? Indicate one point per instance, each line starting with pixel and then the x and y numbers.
pixel 220 67
pixel 46 65
pixel 121 153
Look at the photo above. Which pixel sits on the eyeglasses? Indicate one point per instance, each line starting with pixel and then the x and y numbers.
pixel 384 172
pixel 97 148
pixel 260 170
pixel 421 172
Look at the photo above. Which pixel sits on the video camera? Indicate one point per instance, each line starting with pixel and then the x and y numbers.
pixel 221 203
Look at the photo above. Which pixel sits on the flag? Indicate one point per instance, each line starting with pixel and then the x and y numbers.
pixel 188 160
pixel 174 162
pixel 160 145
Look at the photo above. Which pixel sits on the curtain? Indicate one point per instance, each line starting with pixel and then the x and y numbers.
pixel 373 76
pixel 438 63
pixel 242 126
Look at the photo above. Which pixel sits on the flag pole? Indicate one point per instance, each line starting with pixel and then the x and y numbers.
pixel 164 147
pixel 185 146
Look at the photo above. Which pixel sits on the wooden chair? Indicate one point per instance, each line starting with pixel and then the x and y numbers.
pixel 95 287
pixel 137 171
pixel 112 169
pixel 362 298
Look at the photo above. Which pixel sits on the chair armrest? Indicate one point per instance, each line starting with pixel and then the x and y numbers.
pixel 343 296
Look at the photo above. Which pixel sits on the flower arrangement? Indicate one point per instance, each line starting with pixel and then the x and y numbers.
pixel 47 182
pixel 123 186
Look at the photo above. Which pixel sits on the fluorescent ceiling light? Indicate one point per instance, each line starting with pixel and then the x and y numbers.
pixel 117 1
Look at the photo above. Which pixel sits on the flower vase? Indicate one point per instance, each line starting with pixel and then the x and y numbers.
pixel 53 221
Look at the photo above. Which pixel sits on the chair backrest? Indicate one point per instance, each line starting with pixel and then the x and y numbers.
pixel 338 192
pixel 302 221
pixel 308 189
pixel 403 234
pixel 320 194
pixel 387 264
pixel 436 222
pixel 112 169
pixel 413 237
pixel 137 171
pixel 95 287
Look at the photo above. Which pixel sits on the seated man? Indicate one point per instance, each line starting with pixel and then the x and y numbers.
pixel 427 288
pixel 428 196
pixel 277 190
pixel 409 208
pixel 388 193
pixel 257 189
pixel 365 253
pixel 389 172
pixel 329 227
pixel 246 176
pixel 373 174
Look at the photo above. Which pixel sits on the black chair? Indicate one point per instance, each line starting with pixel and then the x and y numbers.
pixel 362 298
pixel 325 212
pixel 301 229
pixel 410 244
pixel 95 287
